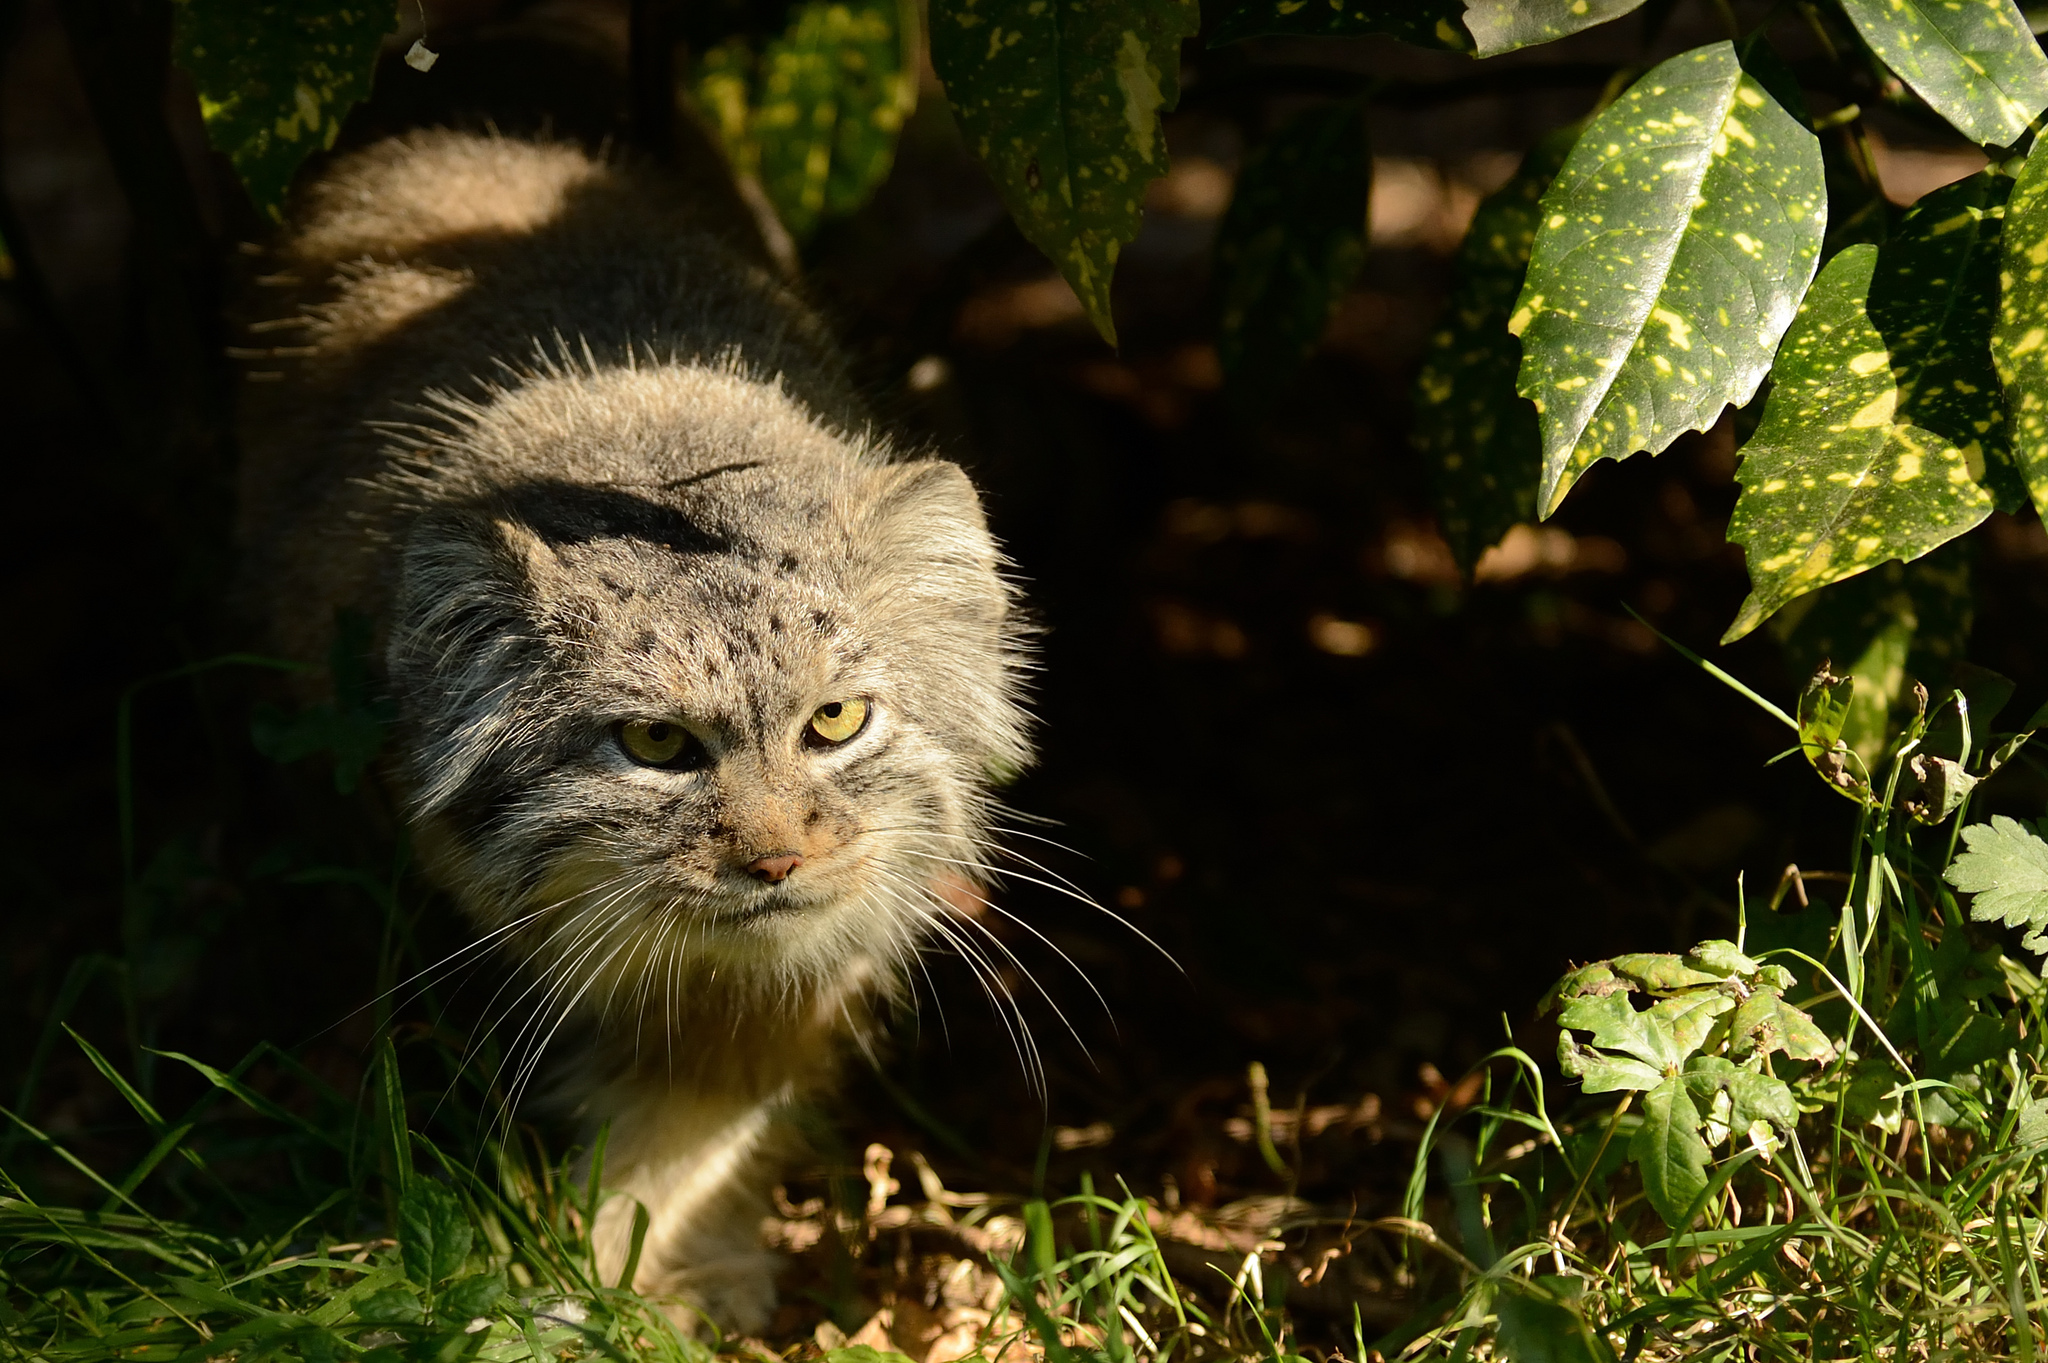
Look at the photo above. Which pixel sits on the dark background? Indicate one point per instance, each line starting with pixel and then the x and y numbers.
pixel 1370 808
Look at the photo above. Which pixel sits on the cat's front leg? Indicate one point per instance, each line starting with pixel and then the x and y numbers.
pixel 700 1164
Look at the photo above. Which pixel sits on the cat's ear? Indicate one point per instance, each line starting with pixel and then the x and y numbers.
pixel 938 602
pixel 926 513
pixel 466 636
pixel 466 608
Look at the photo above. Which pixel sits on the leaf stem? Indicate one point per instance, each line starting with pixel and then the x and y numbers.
pixel 1586 1176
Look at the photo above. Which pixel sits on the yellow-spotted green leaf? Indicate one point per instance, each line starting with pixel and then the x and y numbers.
pixel 1426 23
pixel 1768 69
pixel 2019 338
pixel 1476 433
pixel 721 85
pixel 1884 433
pixel 2006 869
pixel 834 91
pixel 1934 298
pixel 1060 100
pixel 1675 245
pixel 1503 25
pixel 1897 623
pixel 275 80
pixel 1975 61
pixel 1668 1151
pixel 1290 245
pixel 815 115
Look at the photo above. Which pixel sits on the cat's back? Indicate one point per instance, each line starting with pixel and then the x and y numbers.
pixel 432 282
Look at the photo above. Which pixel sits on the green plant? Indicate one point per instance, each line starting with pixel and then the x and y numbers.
pixel 1856 1174
pixel 1830 1132
pixel 1702 237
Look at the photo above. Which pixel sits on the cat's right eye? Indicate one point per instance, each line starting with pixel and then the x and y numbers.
pixel 657 743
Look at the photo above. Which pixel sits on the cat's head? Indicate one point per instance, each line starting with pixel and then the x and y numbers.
pixel 740 726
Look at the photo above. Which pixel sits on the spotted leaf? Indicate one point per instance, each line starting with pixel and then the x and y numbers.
pixel 1883 434
pixel 1290 245
pixel 1426 23
pixel 833 91
pixel 1503 25
pixel 1479 435
pixel 1675 245
pixel 1975 61
pixel 2019 338
pixel 274 79
pixel 1934 298
pixel 1060 100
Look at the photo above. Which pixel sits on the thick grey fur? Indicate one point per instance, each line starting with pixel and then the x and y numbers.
pixel 585 459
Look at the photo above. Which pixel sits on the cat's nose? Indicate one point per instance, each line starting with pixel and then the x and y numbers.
pixel 771 869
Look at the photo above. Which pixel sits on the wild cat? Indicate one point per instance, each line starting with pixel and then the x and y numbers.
pixel 700 682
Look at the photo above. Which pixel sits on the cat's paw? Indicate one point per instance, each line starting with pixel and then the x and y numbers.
pixel 734 1292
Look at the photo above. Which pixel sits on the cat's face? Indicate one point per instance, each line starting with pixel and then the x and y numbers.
pixel 652 736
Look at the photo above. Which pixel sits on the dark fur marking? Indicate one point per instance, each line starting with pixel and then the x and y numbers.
pixel 568 513
pixel 706 475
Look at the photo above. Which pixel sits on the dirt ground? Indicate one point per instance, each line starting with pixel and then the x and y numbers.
pixel 1366 809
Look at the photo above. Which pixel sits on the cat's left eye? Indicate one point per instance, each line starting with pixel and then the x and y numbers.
pixel 836 722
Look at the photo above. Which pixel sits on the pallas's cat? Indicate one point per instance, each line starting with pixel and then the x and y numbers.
pixel 700 683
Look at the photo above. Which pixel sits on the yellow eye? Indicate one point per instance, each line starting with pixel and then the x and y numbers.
pixel 837 722
pixel 654 742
